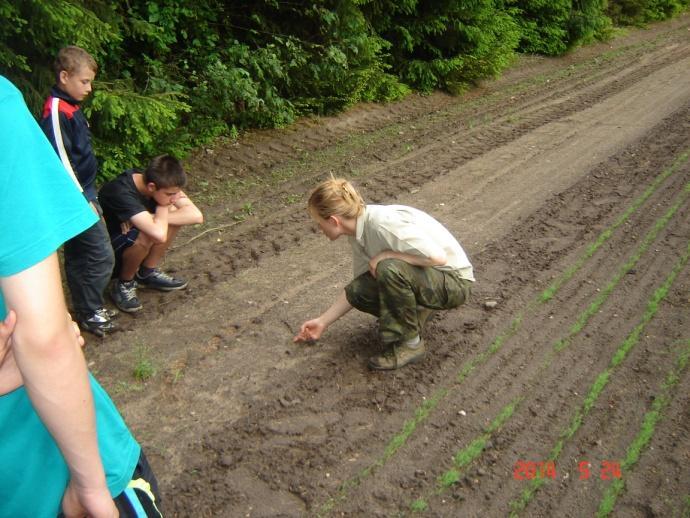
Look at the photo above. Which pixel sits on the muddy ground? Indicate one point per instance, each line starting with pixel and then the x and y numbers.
pixel 566 180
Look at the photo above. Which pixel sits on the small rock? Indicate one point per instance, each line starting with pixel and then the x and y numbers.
pixel 490 304
pixel 285 402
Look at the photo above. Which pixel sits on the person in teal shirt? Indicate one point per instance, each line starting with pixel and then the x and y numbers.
pixel 64 448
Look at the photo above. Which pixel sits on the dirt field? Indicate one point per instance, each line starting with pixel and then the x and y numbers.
pixel 567 182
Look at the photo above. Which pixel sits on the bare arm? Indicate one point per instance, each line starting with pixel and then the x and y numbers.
pixel 185 212
pixel 153 225
pixel 313 329
pixel 181 212
pixel 49 357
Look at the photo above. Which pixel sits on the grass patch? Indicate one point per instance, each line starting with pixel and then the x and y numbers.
pixel 144 368
pixel 685 513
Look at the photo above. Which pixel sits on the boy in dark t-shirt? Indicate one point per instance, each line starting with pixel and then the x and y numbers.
pixel 143 212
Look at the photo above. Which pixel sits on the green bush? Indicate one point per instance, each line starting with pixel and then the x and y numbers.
pixel 444 44
pixel 128 125
pixel 640 12
pixel 543 25
pixel 588 22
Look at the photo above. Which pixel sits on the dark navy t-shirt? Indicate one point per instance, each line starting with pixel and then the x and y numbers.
pixel 120 200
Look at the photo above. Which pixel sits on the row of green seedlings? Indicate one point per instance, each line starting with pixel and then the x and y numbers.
pixel 597 388
pixel 468 454
pixel 428 406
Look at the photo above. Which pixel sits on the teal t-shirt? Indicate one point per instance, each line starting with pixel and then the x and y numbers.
pixel 41 208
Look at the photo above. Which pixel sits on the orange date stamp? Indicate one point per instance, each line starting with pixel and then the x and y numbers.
pixel 530 470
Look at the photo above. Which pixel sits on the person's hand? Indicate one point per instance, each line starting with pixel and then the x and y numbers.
pixel 77 331
pixel 125 226
pixel 88 503
pixel 6 330
pixel 309 331
pixel 374 261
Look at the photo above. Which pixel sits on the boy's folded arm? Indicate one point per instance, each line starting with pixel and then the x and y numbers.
pixel 185 213
pixel 155 225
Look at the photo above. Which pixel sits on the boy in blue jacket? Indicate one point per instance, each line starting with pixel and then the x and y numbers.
pixel 64 446
pixel 89 258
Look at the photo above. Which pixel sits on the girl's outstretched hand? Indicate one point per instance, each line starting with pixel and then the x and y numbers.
pixel 310 331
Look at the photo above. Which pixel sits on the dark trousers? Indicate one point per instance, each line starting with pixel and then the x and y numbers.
pixel 141 499
pixel 398 289
pixel 89 262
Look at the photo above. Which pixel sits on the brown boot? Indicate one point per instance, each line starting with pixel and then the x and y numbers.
pixel 398 356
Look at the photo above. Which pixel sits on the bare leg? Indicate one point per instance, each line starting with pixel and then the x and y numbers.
pixel 133 256
pixel 157 251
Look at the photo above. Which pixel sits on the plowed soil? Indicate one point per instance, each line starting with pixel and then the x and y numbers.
pixel 567 182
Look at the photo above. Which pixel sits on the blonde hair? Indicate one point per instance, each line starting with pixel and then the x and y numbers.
pixel 335 197
pixel 71 59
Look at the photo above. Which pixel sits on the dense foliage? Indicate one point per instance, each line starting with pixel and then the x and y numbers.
pixel 639 12
pixel 444 43
pixel 176 73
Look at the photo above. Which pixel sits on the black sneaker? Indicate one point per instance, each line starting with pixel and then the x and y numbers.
pixel 124 295
pixel 108 312
pixel 159 280
pixel 98 323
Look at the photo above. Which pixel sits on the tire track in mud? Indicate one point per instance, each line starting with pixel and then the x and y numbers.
pixel 276 229
pixel 310 135
pixel 468 144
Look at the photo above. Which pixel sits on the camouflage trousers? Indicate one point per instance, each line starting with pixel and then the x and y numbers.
pixel 398 289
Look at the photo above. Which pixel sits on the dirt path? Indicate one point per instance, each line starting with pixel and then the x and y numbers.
pixel 567 183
